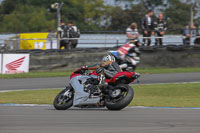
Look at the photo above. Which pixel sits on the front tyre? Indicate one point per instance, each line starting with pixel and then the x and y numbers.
pixel 122 100
pixel 64 99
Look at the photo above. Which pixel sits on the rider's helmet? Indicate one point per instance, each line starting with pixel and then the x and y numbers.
pixel 135 41
pixel 108 58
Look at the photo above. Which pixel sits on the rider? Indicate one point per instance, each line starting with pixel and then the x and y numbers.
pixel 108 64
pixel 129 53
pixel 104 71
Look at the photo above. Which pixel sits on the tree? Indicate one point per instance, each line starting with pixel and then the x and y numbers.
pixel 36 16
pixel 121 19
pixel 27 19
pixel 148 4
pixel 178 15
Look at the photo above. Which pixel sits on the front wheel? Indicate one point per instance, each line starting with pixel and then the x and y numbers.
pixel 122 99
pixel 64 99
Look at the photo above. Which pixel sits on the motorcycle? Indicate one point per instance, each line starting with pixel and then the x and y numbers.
pixel 93 90
pixel 126 66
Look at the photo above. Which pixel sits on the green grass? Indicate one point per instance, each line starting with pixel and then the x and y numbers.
pixel 171 95
pixel 36 75
pixel 45 96
pixel 67 73
pixel 167 70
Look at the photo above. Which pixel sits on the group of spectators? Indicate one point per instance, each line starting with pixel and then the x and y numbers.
pixel 157 27
pixel 149 27
pixel 68 31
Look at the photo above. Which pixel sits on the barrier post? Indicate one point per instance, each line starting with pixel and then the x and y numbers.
pixel 117 42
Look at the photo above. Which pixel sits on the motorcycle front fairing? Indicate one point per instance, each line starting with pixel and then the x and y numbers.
pixel 82 97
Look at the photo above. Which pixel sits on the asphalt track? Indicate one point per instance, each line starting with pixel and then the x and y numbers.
pixel 45 119
pixel 136 120
pixel 61 82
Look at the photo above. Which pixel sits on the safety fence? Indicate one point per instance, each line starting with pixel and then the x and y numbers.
pixel 50 41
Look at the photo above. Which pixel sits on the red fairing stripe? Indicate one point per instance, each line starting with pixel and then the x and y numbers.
pixel 74 75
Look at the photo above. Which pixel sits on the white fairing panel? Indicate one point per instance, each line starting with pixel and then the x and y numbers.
pixel 81 97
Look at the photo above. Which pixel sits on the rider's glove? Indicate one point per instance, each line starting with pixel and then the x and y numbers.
pixel 84 68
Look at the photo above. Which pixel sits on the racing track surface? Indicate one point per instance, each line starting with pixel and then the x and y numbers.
pixel 61 82
pixel 137 120
pixel 45 119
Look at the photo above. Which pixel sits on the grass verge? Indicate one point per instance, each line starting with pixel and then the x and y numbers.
pixel 170 95
pixel 68 73
pixel 167 95
pixel 36 75
pixel 166 70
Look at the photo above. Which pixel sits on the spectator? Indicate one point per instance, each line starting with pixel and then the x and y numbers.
pixel 197 39
pixel 187 34
pixel 147 27
pixel 72 32
pixel 132 32
pixel 62 34
pixel 160 28
pixel 198 30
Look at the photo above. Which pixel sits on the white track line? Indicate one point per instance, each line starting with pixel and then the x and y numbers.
pixel 130 107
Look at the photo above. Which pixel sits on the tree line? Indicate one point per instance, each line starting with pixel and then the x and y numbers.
pixel 18 16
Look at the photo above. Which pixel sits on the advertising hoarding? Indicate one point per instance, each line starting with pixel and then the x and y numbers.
pixel 41 41
pixel 15 63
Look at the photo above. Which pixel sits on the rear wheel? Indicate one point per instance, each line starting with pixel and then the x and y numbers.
pixel 64 99
pixel 120 97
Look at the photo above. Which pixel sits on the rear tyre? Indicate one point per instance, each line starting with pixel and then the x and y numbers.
pixel 64 99
pixel 121 101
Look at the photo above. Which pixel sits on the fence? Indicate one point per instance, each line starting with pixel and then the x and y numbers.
pixel 13 41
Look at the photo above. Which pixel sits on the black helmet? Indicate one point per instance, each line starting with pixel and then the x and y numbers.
pixel 108 58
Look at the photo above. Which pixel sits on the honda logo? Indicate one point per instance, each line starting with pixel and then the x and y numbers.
pixel 15 64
